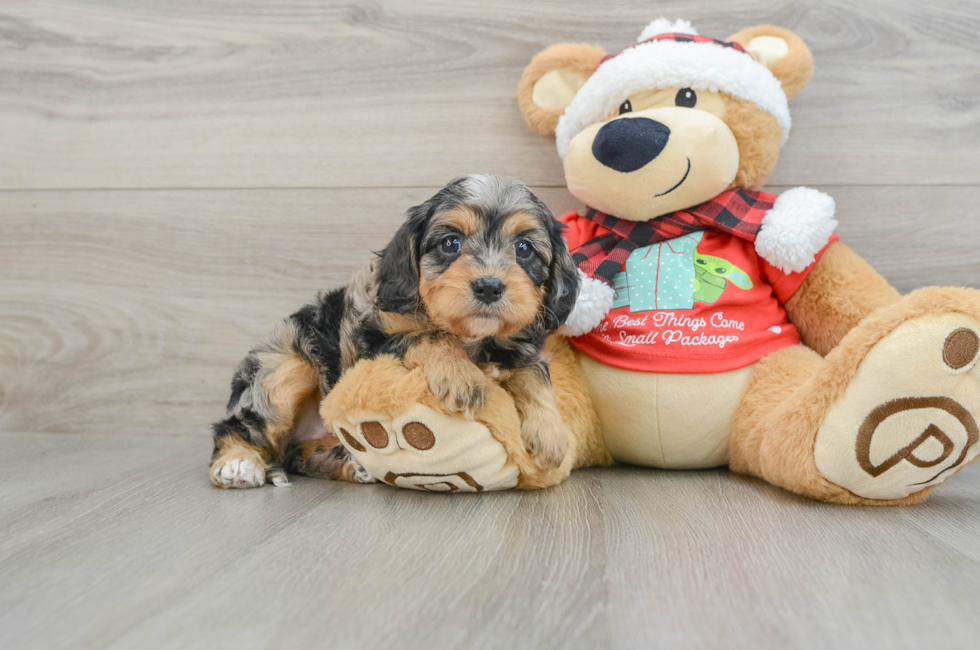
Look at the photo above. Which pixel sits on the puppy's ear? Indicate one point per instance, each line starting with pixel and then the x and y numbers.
pixel 398 268
pixel 563 280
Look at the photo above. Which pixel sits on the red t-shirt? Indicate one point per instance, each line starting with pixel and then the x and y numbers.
pixel 704 302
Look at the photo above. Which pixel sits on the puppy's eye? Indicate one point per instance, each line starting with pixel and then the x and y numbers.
pixel 523 249
pixel 686 98
pixel 625 107
pixel 451 245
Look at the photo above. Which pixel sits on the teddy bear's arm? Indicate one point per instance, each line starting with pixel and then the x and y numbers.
pixel 837 294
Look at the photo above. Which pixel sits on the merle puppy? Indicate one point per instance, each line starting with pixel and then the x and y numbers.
pixel 467 290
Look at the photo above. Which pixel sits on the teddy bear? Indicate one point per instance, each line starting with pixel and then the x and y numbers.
pixel 717 324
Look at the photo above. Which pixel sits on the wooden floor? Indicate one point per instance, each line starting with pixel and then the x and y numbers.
pixel 176 176
pixel 119 541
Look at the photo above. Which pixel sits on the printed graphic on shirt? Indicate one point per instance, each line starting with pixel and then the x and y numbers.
pixel 673 275
pixel 660 276
pixel 702 302
pixel 697 303
pixel 713 275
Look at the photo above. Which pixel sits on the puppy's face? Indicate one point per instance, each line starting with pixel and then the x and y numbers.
pixel 487 258
pixel 484 274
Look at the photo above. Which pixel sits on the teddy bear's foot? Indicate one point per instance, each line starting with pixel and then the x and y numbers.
pixel 390 422
pixel 424 449
pixel 908 419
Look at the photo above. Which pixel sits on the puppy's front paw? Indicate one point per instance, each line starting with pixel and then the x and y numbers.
pixel 546 440
pixel 460 390
pixel 236 473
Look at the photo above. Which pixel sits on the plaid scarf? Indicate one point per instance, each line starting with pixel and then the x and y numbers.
pixel 736 212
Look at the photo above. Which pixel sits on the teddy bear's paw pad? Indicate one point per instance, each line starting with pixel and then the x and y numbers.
pixel 369 436
pixel 909 419
pixel 236 473
pixel 423 449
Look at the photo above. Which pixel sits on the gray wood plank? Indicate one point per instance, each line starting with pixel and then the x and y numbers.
pixel 304 93
pixel 131 308
pixel 121 542
pixel 739 563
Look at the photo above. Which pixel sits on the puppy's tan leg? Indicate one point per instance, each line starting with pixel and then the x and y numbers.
pixel 268 389
pixel 453 378
pixel 326 458
pixel 542 428
pixel 588 445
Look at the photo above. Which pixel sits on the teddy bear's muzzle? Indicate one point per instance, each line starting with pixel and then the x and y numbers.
pixel 629 144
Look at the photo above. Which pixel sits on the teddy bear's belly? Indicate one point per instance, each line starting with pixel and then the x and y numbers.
pixel 672 421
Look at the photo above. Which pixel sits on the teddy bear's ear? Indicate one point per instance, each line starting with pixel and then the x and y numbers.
pixel 780 50
pixel 550 81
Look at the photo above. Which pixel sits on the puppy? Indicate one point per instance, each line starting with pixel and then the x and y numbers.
pixel 468 289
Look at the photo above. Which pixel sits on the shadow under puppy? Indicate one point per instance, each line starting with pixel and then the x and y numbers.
pixel 466 291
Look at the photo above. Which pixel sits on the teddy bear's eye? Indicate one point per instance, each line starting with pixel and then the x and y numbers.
pixel 625 107
pixel 686 98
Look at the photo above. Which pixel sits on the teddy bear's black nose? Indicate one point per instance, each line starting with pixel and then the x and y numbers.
pixel 628 144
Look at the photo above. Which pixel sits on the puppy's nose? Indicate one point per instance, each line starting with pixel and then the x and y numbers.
pixel 628 144
pixel 488 289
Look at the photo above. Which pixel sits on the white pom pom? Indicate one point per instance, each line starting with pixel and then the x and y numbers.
pixel 595 299
pixel 664 26
pixel 796 229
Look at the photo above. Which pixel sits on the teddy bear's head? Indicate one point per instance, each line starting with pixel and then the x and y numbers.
pixel 671 122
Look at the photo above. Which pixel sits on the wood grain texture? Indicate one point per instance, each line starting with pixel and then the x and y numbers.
pixel 121 542
pixel 306 93
pixel 129 310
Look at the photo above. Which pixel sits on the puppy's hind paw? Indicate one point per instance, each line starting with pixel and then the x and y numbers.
pixel 235 473
pixel 358 474
pixel 278 477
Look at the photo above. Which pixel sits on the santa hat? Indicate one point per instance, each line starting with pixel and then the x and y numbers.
pixel 672 55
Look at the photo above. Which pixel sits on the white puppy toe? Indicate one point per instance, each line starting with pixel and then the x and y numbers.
pixel 240 474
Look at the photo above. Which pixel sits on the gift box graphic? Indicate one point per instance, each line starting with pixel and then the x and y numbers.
pixel 622 296
pixel 659 277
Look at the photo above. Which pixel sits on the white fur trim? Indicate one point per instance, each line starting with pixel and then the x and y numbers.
pixel 798 226
pixel 595 299
pixel 665 26
pixel 670 64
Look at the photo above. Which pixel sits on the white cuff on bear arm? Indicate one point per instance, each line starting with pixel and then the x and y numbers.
pixel 595 299
pixel 796 229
